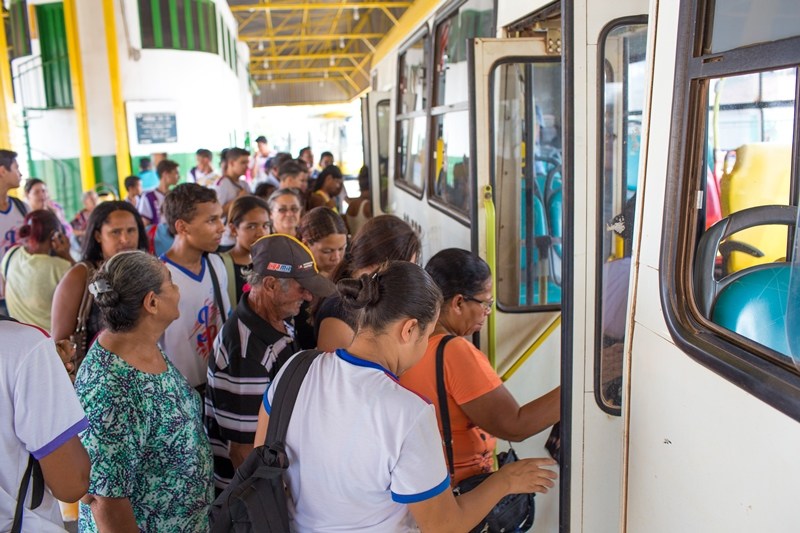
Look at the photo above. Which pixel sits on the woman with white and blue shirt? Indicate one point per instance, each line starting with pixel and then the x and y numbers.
pixel 365 453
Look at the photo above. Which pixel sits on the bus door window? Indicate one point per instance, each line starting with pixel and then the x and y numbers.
pixel 527 129
pixel 622 101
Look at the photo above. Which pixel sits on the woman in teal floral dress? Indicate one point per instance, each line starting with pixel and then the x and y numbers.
pixel 152 468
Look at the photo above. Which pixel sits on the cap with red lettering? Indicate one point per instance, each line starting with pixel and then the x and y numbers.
pixel 283 256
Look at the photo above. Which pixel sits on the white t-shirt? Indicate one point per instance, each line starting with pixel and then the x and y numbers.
pixel 39 412
pixel 10 219
pixel 227 191
pixel 195 175
pixel 189 340
pixel 146 209
pixel 360 447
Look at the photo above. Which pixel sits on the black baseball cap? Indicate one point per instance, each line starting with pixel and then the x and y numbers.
pixel 283 256
pixel 261 139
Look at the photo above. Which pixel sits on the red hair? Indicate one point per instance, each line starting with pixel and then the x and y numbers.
pixel 39 226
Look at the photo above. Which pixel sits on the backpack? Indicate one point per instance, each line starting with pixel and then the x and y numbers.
pixel 152 199
pixel 255 500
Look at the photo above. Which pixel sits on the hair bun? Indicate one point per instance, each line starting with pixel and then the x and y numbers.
pixel 24 231
pixel 362 292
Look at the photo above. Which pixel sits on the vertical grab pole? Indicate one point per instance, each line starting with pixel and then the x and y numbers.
pixel 491 260
pixel 6 89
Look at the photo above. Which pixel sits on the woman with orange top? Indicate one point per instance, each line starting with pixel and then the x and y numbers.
pixel 480 406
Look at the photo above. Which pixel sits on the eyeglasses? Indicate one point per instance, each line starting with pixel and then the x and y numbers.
pixel 486 304
pixel 284 210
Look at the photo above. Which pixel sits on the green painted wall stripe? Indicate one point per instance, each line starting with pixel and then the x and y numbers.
pixel 158 37
pixel 173 23
pixel 187 8
pixel 201 20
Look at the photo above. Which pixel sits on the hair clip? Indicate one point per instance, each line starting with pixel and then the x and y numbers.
pixel 99 286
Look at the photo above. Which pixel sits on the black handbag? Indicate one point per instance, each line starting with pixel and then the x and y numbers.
pixel 515 512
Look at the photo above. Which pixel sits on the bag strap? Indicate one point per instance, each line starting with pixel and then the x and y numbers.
pixel 217 292
pixel 444 410
pixel 19 204
pixel 227 260
pixel 86 301
pixel 286 395
pixel 152 200
pixel 10 253
pixel 32 472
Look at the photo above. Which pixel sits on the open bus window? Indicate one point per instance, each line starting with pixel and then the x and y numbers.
pixel 451 182
pixel 623 84
pixel 383 114
pixel 412 123
pixel 742 272
pixel 526 155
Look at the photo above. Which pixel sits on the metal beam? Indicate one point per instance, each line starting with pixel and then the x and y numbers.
pixel 297 81
pixel 122 145
pixel 299 70
pixel 309 57
pixel 312 37
pixel 294 6
pixel 353 84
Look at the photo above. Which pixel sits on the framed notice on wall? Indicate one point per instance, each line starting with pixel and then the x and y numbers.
pixel 156 128
pixel 153 126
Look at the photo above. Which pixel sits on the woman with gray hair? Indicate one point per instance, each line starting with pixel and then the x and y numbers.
pixel 151 462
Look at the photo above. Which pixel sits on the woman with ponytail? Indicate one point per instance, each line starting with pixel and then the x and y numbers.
pixel 31 270
pixel 366 454
pixel 151 462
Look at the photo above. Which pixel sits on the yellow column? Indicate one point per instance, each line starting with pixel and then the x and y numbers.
pixel 7 96
pixel 118 106
pixel 78 94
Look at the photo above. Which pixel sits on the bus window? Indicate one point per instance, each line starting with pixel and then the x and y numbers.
pixel 383 113
pixel 450 181
pixel 622 101
pixel 749 147
pixel 724 283
pixel 526 155
pixel 412 120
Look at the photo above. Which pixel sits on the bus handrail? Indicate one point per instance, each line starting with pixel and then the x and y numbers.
pixel 532 348
pixel 488 206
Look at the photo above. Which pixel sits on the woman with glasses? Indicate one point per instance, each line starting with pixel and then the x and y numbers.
pixel 285 210
pixel 480 406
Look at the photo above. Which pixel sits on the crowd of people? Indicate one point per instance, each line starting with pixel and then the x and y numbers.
pixel 175 320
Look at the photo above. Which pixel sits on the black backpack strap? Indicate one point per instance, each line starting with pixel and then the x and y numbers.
pixel 19 204
pixel 444 411
pixel 32 472
pixel 217 292
pixel 286 395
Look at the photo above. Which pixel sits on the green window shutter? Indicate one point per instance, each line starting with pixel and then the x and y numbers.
pixel 190 27
pixel 55 59
pixel 213 33
pixel 17 29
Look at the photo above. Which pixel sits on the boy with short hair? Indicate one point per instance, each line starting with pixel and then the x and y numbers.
pixel 12 210
pixel 194 217
pixel 203 173
pixel 293 174
pixel 150 204
pixel 133 189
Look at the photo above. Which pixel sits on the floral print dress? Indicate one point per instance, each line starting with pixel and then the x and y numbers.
pixel 146 443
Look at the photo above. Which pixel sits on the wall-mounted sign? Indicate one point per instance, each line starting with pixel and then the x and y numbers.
pixel 156 128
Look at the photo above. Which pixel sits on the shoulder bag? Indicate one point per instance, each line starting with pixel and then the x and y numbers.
pixel 79 337
pixel 256 499
pixel 515 512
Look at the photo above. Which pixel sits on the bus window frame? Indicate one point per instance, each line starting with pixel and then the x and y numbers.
pixel 541 308
pixel 750 366
pixel 423 35
pixel 463 217
pixel 600 230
